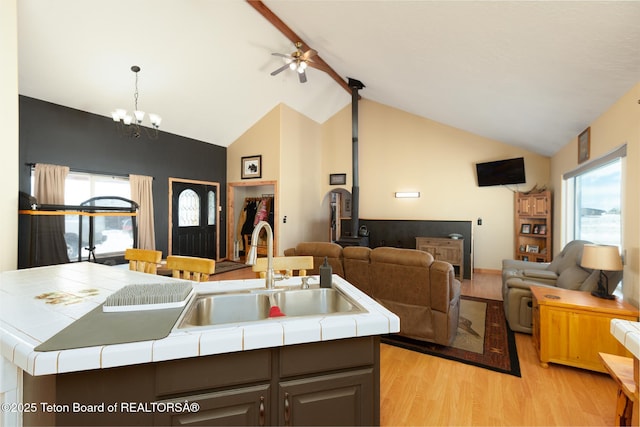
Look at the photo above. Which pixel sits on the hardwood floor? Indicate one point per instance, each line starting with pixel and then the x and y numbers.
pixel 421 390
pixel 418 389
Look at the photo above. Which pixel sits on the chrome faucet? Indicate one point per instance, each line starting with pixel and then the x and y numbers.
pixel 253 252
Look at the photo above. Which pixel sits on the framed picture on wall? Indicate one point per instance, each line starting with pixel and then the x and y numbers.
pixel 584 143
pixel 251 167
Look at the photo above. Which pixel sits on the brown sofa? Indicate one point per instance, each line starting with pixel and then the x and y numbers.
pixel 423 293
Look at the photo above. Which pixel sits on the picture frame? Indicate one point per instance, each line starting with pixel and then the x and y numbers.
pixel 542 229
pixel 525 229
pixel 525 258
pixel 584 145
pixel 338 179
pixel 251 167
pixel 533 249
pixel 536 229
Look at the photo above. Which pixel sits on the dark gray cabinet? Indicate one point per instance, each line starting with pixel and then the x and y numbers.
pixel 326 383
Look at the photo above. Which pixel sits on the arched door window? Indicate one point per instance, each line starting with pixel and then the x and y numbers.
pixel 188 209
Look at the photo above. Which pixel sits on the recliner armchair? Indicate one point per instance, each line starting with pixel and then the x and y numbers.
pixel 563 272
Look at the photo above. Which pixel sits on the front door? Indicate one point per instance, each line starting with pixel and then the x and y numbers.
pixel 194 218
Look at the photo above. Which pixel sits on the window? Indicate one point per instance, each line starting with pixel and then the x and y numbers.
pixel 112 234
pixel 598 205
pixel 593 199
pixel 188 209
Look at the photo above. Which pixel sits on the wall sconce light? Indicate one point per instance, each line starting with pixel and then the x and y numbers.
pixel 407 194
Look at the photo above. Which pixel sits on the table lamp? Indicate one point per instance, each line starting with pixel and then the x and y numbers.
pixel 601 257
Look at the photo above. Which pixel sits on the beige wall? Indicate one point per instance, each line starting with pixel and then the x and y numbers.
pixel 9 135
pixel 620 124
pixel 403 152
pixel 290 145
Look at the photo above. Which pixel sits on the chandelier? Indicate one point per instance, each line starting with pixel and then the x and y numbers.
pixel 131 125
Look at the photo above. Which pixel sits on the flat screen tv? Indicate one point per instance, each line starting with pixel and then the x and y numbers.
pixel 501 172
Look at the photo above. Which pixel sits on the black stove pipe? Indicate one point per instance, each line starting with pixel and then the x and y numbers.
pixel 355 86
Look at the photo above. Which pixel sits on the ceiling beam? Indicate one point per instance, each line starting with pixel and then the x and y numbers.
pixel 291 35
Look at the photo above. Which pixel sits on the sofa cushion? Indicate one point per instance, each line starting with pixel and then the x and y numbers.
pixel 356 267
pixel 408 257
pixel 320 250
pixel 540 274
pixel 572 277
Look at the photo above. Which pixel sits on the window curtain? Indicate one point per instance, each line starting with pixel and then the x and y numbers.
pixel 141 193
pixel 50 245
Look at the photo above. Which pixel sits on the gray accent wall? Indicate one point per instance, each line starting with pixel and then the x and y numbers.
pixel 51 133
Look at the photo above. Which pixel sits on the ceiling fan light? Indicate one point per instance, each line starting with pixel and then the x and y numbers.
pixel 127 119
pixel 293 65
pixel 302 67
pixel 115 116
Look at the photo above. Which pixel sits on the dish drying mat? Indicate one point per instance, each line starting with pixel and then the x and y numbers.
pixel 98 328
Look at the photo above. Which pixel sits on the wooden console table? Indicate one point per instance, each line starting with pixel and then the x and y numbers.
pixel 573 327
pixel 444 249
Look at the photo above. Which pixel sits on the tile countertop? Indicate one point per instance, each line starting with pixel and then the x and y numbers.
pixel 628 333
pixel 26 321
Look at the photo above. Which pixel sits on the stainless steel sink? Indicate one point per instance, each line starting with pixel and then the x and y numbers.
pixel 309 302
pixel 218 309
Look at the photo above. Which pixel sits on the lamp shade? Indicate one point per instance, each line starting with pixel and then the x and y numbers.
pixel 601 257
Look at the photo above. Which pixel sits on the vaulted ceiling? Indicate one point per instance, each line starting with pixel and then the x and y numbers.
pixel 527 73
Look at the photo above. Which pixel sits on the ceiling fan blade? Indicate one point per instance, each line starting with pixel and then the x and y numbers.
pixel 282 55
pixel 303 77
pixel 279 70
pixel 308 54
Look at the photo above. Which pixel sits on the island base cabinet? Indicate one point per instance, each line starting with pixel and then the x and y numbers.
pixel 239 407
pixel 339 399
pixel 325 383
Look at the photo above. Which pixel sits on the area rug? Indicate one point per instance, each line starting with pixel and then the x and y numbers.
pixel 226 266
pixel 483 339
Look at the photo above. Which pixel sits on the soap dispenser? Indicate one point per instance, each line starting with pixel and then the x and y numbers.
pixel 325 274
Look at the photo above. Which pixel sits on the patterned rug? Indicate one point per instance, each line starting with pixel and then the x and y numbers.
pixel 226 266
pixel 483 338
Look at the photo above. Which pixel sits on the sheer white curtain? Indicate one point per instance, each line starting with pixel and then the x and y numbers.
pixel 51 247
pixel 141 193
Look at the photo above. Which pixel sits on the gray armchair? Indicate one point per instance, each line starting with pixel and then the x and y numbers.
pixel 563 272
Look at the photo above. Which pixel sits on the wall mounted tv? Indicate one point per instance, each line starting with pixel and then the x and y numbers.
pixel 501 172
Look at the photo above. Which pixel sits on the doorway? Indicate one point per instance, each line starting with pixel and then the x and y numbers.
pixel 237 194
pixel 194 218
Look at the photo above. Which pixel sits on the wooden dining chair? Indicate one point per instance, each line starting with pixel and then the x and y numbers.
pixel 191 268
pixel 285 265
pixel 143 260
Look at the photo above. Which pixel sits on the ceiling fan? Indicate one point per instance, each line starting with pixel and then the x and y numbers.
pixel 298 61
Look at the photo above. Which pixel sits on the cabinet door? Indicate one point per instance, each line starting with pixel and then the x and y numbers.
pixel 344 398
pixel 247 406
pixel 524 205
pixel 540 205
pixel 425 247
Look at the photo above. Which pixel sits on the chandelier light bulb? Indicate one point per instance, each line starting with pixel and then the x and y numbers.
pixel 131 126
pixel 139 116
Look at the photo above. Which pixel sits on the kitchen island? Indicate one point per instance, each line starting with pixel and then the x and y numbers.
pixel 272 371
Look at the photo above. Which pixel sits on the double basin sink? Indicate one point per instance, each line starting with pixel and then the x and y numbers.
pixel 249 306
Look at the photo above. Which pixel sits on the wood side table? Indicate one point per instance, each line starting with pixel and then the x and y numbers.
pixel 572 327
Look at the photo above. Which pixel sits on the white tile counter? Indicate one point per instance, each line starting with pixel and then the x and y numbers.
pixel 26 322
pixel 628 333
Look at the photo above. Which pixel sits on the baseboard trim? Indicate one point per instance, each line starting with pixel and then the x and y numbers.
pixel 486 271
